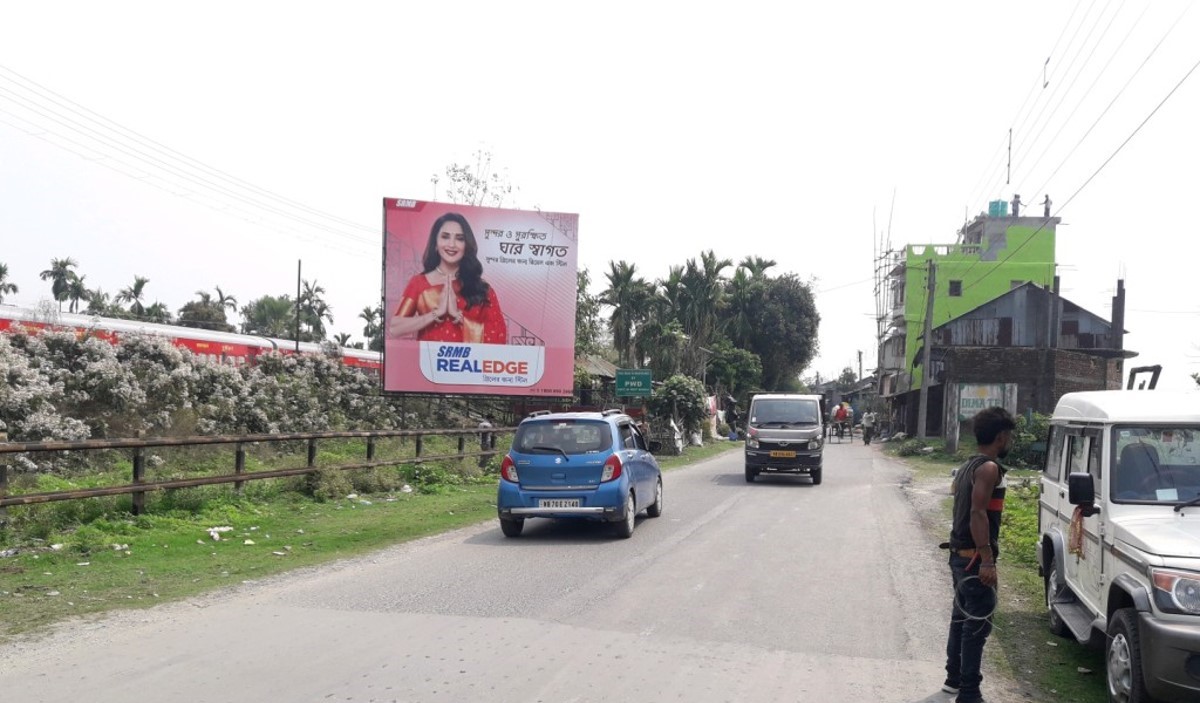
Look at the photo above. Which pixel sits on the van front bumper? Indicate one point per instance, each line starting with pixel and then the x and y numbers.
pixel 767 460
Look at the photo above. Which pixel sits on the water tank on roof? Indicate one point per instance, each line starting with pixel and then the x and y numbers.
pixel 998 208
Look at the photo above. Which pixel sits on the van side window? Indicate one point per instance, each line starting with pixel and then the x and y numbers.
pixel 1077 454
pixel 1054 453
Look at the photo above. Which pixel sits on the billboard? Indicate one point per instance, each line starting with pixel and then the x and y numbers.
pixel 505 324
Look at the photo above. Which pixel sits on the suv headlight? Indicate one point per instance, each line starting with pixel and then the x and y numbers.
pixel 751 442
pixel 1176 591
pixel 814 443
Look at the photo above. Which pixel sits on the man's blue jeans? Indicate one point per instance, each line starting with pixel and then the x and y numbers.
pixel 970 625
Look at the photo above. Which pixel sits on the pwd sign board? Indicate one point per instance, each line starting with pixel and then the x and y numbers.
pixel 633 382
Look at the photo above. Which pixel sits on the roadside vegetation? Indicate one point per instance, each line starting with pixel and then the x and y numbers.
pixel 85 557
pixel 1021 644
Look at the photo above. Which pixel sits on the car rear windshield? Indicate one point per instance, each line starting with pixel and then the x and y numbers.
pixel 784 412
pixel 563 436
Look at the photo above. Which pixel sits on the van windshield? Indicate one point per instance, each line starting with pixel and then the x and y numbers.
pixel 784 412
pixel 1155 464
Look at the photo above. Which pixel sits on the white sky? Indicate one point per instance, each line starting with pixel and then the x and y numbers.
pixel 748 128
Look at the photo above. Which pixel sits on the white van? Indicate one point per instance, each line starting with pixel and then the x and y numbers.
pixel 1119 517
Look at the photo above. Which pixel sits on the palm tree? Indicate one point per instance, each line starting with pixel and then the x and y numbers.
pixel 59 272
pixel 158 312
pixel 757 266
pixel 342 339
pixel 76 291
pixel 373 330
pixel 700 306
pixel 133 296
pixel 629 298
pixel 314 310
pixel 226 301
pixel 742 294
pixel 6 288
pixel 98 302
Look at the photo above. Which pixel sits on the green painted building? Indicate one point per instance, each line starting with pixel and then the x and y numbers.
pixel 992 256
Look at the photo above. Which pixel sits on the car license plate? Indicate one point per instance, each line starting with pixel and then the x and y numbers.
pixel 558 503
pixel 778 454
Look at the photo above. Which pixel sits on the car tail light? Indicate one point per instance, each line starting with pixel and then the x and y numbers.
pixel 508 469
pixel 612 469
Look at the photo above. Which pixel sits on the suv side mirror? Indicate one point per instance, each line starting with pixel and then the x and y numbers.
pixel 1081 489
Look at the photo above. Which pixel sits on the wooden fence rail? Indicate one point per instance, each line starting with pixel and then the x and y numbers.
pixel 140 486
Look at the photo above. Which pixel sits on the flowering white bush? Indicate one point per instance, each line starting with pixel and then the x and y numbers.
pixel 61 387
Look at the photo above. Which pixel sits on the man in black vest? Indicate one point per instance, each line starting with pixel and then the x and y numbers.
pixel 978 490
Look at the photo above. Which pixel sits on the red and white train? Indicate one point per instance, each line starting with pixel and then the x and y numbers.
pixel 226 347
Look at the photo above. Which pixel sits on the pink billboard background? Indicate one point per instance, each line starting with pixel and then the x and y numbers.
pixel 529 260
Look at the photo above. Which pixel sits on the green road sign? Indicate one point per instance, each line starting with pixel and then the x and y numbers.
pixel 633 382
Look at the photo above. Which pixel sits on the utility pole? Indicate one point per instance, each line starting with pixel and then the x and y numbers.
pixel 860 376
pixel 926 375
pixel 298 262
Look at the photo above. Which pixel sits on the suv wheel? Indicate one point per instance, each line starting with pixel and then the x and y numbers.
pixel 1053 593
pixel 816 476
pixel 656 509
pixel 511 528
pixel 625 526
pixel 1123 659
pixel 751 474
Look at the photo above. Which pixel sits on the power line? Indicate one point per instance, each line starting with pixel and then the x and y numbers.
pixel 128 133
pixel 1095 173
pixel 1066 72
pixel 150 162
pixel 1070 86
pixel 1087 91
pixel 1116 97
pixel 1039 80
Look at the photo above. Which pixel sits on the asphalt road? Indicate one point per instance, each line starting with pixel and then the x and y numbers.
pixel 776 591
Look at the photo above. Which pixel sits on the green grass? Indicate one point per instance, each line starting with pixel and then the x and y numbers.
pixel 1022 644
pixel 69 563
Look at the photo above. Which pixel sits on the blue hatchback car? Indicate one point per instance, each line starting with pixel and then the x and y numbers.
pixel 589 465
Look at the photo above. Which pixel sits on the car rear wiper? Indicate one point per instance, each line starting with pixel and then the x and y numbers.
pixel 1190 504
pixel 551 449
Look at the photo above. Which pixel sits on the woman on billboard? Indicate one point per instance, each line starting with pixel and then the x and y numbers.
pixel 449 301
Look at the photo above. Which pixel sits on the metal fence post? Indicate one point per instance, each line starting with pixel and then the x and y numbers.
pixel 139 476
pixel 239 466
pixel 420 445
pixel 370 448
pixel 312 453
pixel 462 444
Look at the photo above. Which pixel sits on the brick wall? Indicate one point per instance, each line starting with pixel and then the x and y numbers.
pixel 1042 375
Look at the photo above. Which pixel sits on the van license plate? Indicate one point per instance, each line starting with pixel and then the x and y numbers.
pixel 558 503
pixel 777 454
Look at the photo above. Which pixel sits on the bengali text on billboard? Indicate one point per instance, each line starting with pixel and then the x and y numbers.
pixel 478 300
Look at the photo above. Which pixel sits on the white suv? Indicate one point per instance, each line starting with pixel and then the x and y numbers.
pixel 1119 517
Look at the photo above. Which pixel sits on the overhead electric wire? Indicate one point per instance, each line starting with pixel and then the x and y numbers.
pixel 1020 157
pixel 1112 102
pixel 1019 132
pixel 1021 137
pixel 154 168
pixel 1039 80
pixel 126 133
pixel 1087 91
pixel 1095 173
